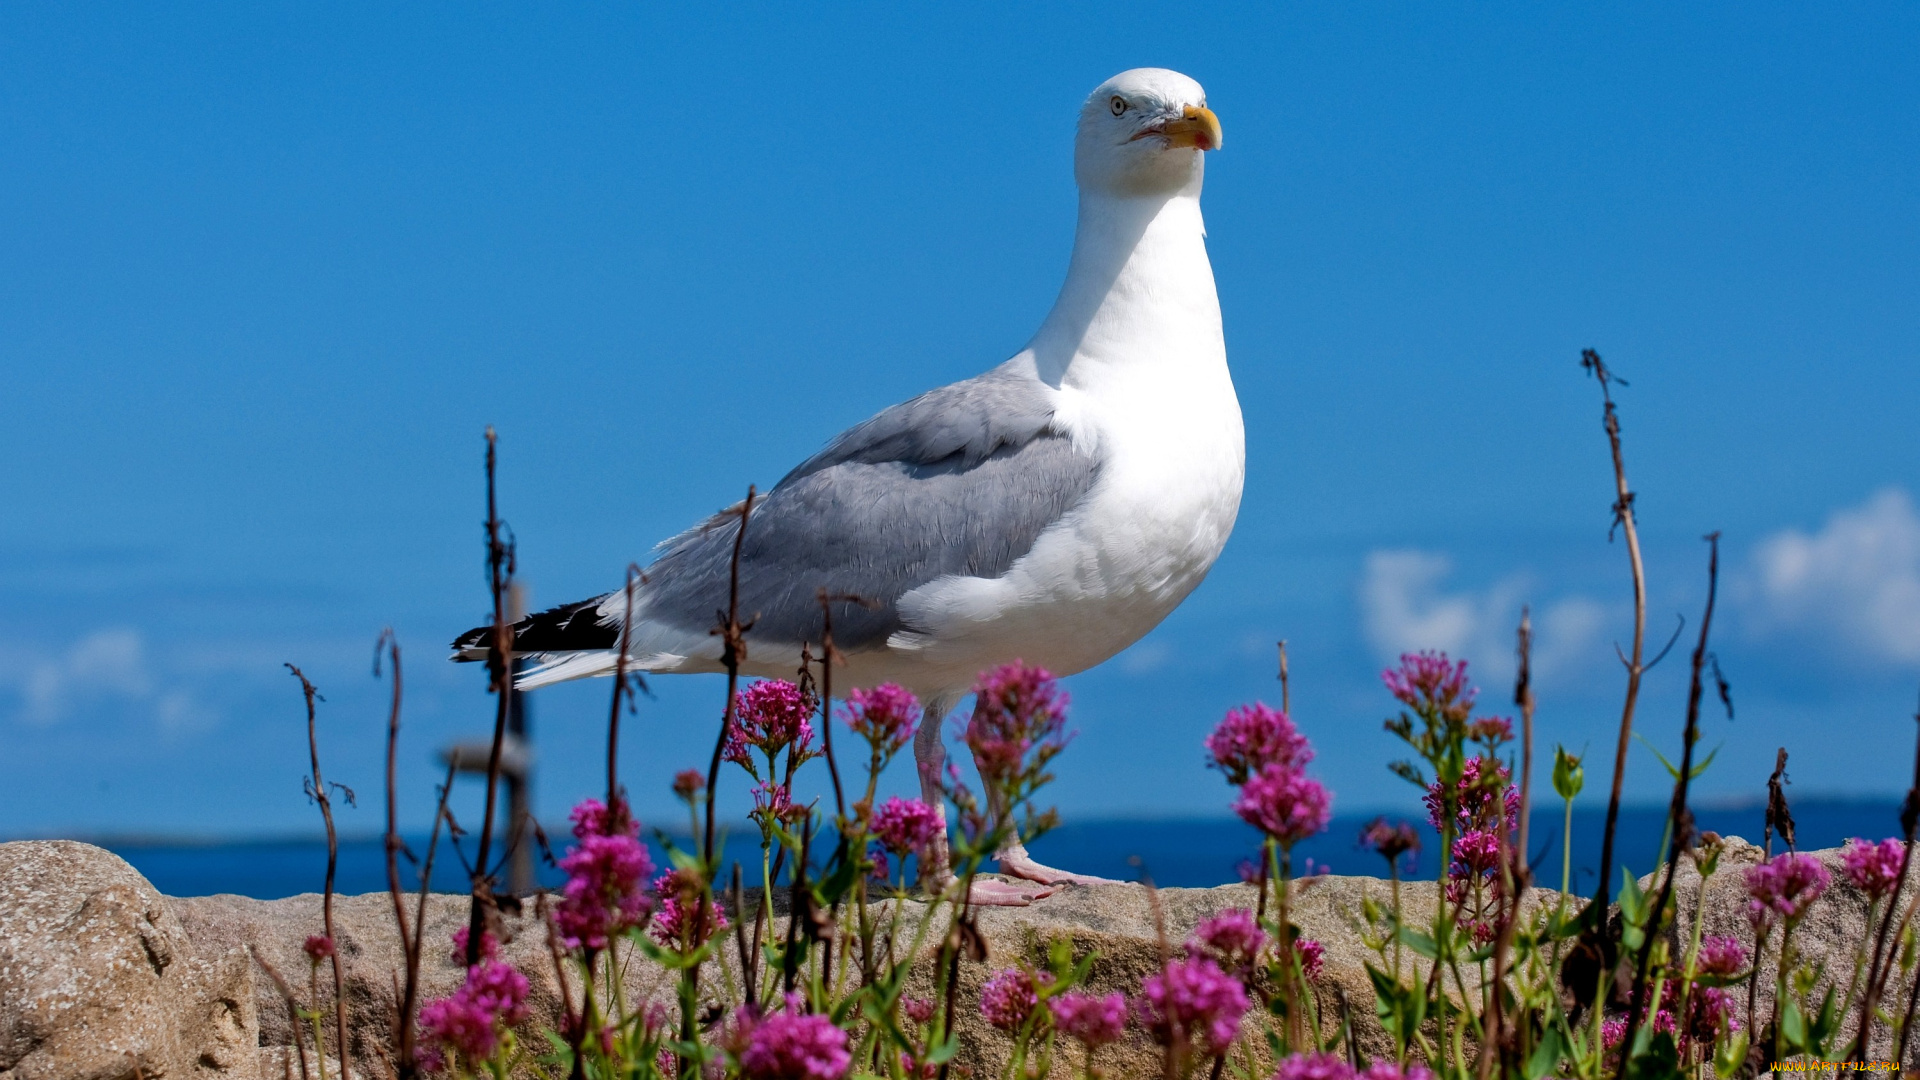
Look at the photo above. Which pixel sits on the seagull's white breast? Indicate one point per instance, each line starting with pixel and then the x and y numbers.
pixel 1172 460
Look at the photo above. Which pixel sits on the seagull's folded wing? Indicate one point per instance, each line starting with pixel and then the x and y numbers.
pixel 960 480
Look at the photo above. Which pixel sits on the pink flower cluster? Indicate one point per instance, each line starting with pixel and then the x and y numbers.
pixel 769 716
pixel 1396 843
pixel 1232 938
pixel 906 826
pixel 919 1010
pixel 1095 1021
pixel 773 803
pixel 1313 957
pixel 1432 686
pixel 793 1045
pixel 489 946
pixel 1335 1067
pixel 674 925
pixel 1721 955
pixel 317 947
pixel 885 716
pixel 1016 708
pixel 1253 737
pixel 1784 887
pixel 1010 997
pixel 493 997
pixel 1874 869
pixel 606 870
pixel 1475 798
pixel 1285 804
pixel 1192 1001
pixel 1265 756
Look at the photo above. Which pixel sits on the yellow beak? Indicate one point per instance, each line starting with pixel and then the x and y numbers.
pixel 1197 128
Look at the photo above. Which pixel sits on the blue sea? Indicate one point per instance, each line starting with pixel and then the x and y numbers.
pixel 1193 852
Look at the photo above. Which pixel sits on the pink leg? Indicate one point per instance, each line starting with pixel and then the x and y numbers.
pixel 1015 862
pixel 936 872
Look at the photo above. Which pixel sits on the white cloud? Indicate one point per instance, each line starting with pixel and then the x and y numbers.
pixel 107 667
pixel 1856 581
pixel 1404 608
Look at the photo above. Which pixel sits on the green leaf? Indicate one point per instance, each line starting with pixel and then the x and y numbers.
pixel 1546 1056
pixel 1417 941
pixel 1793 1028
pixel 1730 1055
pixel 1825 1025
pixel 944 1052
pixel 1657 1058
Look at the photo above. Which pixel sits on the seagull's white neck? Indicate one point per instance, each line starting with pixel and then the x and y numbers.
pixel 1139 291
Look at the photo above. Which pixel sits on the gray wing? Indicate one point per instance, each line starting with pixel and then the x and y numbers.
pixel 960 480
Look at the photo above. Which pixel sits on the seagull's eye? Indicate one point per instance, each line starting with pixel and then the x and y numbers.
pixel 1118 105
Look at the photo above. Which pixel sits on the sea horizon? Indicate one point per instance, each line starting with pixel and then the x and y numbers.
pixel 1176 851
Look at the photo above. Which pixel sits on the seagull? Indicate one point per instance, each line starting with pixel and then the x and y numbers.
pixel 1053 509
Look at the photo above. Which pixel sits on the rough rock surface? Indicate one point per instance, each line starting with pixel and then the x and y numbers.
pixel 1828 939
pixel 103 979
pixel 98 981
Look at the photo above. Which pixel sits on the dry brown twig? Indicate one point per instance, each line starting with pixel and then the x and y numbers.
pixel 317 790
pixel 500 571
pixel 293 1007
pixel 406 995
pixel 1623 517
pixel 1515 874
pixel 1679 817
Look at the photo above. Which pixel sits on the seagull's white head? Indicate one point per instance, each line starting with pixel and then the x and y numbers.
pixel 1142 132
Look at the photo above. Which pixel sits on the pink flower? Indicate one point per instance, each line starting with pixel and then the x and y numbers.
pixel 489 946
pixel 1721 955
pixel 1396 843
pixel 792 1045
pixel 1284 804
pixel 769 716
pixel 672 924
pixel 1712 1010
pixel 494 995
pixel 1253 737
pixel 1874 869
pixel 1009 998
pixel 773 803
pixel 1387 1070
pixel 918 1010
pixel 885 716
pixel 1016 709
pixel 1475 851
pixel 687 783
pixel 1492 730
pixel 1784 886
pixel 1314 1067
pixel 1192 1000
pixel 498 989
pixel 906 826
pixel 1095 1021
pixel 1430 684
pixel 1313 957
pixel 591 818
pixel 1612 1030
pixel 1474 798
pixel 1231 938
pixel 604 894
pixel 318 947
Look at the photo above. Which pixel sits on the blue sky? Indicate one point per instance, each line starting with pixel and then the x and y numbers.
pixel 266 272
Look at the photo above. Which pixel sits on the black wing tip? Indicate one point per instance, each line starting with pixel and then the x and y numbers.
pixel 560 629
